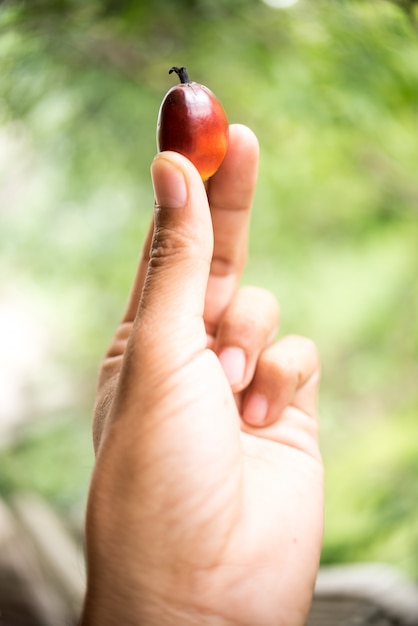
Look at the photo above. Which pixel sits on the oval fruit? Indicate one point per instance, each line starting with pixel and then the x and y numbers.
pixel 193 122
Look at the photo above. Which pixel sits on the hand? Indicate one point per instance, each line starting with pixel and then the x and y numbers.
pixel 206 501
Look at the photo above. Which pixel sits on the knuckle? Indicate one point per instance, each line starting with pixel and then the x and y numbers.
pixel 304 345
pixel 168 243
pixel 259 295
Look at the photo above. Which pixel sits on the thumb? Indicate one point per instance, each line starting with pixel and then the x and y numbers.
pixel 170 315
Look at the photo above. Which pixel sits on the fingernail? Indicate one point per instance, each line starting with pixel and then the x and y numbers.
pixel 170 187
pixel 255 409
pixel 233 362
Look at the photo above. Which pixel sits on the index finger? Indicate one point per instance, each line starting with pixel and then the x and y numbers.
pixel 231 192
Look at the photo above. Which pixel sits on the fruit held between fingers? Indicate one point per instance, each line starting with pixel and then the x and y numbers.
pixel 193 122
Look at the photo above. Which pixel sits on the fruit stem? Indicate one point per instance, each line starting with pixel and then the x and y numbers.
pixel 181 73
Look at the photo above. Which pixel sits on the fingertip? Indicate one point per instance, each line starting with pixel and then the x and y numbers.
pixel 244 136
pixel 234 182
pixel 179 162
pixel 178 185
pixel 170 187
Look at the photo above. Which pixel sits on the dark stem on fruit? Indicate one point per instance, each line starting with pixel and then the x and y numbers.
pixel 182 74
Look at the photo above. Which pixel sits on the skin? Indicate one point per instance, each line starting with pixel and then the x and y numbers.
pixel 206 501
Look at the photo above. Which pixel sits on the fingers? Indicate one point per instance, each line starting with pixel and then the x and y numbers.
pixel 179 248
pixel 230 191
pixel 246 329
pixel 286 378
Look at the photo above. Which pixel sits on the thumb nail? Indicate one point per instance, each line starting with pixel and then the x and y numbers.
pixel 170 187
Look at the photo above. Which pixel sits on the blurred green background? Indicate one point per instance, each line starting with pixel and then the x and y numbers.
pixel 331 90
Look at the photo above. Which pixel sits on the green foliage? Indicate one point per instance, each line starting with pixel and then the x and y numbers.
pixel 372 493
pixel 55 460
pixel 331 90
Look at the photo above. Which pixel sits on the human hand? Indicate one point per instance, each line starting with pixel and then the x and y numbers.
pixel 205 505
